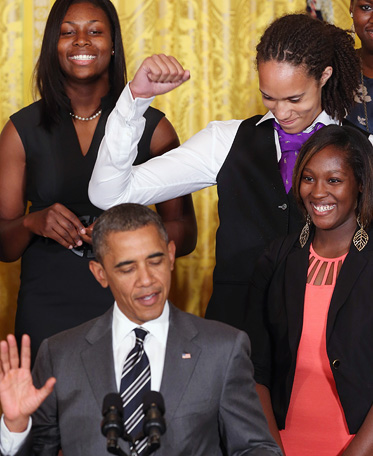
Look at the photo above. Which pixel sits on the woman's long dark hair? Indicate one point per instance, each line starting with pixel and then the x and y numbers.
pixel 48 75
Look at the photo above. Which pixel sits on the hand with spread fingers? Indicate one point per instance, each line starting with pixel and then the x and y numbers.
pixel 158 74
pixel 18 396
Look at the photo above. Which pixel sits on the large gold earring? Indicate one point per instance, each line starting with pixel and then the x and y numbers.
pixel 361 237
pixel 305 233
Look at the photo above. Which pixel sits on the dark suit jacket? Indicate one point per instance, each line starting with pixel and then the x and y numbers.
pixel 210 398
pixel 275 318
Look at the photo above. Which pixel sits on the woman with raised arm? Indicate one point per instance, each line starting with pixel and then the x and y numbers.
pixel 308 72
pixel 310 312
pixel 47 153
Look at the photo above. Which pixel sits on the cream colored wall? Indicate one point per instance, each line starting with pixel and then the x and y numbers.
pixel 215 39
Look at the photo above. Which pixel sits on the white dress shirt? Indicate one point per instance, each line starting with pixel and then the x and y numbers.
pixel 155 343
pixel 190 167
pixel 123 342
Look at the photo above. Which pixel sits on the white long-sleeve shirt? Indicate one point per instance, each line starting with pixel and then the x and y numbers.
pixel 190 167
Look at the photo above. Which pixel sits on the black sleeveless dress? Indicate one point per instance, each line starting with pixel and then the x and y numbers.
pixel 57 290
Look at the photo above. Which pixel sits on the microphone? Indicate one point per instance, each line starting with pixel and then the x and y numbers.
pixel 112 425
pixel 154 423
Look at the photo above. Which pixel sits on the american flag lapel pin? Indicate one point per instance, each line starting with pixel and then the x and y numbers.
pixel 186 356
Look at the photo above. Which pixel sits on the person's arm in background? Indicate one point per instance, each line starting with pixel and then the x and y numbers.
pixel 265 399
pixel 178 213
pixel 362 443
pixel 17 229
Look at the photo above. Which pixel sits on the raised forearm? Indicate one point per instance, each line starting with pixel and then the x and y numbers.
pixel 112 172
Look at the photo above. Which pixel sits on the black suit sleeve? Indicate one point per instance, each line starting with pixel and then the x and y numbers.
pixel 256 324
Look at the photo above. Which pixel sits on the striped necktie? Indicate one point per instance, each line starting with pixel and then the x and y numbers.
pixel 135 382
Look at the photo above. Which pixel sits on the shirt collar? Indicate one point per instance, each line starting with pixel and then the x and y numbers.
pixel 323 118
pixel 122 326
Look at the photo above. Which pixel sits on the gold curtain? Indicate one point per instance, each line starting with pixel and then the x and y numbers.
pixel 215 39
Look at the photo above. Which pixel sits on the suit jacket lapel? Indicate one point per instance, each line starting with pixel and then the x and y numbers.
pixel 97 358
pixel 181 358
pixel 350 271
pixel 295 286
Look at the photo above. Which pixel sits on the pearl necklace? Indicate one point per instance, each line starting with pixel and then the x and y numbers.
pixel 86 118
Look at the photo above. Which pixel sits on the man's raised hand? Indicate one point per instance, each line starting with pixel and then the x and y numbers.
pixel 18 396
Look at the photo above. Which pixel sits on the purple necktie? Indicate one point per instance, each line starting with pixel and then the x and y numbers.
pixel 290 145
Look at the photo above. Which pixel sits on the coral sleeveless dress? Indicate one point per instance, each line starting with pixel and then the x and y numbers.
pixel 315 422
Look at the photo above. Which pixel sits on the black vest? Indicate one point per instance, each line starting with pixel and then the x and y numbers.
pixel 254 209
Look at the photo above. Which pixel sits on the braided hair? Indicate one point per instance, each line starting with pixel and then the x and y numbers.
pixel 299 39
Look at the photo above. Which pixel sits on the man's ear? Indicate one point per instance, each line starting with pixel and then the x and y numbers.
pixel 172 253
pixel 99 272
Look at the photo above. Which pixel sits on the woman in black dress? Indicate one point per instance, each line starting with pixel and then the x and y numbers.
pixel 47 153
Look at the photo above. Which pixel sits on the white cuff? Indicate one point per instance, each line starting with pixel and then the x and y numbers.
pixel 11 442
pixel 132 109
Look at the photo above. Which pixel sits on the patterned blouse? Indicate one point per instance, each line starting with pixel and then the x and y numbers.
pixel 363 109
